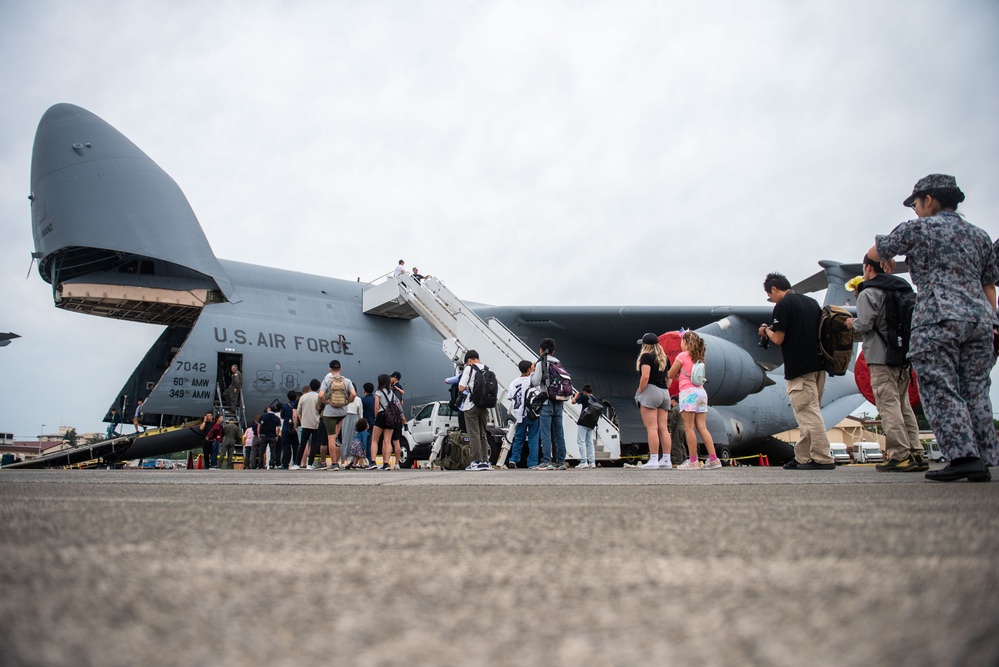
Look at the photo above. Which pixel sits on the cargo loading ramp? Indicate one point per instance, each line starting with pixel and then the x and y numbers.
pixel 499 348
pixel 108 450
pixel 117 449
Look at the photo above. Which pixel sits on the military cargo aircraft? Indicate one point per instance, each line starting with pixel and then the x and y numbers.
pixel 116 237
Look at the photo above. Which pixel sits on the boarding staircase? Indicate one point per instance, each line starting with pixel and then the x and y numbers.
pixel 226 411
pixel 499 348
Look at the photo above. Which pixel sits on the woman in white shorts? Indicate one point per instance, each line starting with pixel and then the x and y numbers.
pixel 693 402
pixel 653 400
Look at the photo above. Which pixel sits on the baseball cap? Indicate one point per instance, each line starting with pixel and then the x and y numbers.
pixel 648 339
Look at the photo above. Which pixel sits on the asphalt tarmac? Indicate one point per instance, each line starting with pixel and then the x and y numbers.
pixel 740 566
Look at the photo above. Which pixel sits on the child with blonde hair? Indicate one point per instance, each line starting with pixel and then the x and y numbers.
pixel 693 401
pixel 653 401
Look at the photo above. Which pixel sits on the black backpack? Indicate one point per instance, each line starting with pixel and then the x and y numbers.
pixel 835 340
pixel 485 388
pixel 534 399
pixel 590 416
pixel 455 397
pixel 393 413
pixel 897 306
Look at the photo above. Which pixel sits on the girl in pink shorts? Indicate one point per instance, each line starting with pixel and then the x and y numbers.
pixel 693 402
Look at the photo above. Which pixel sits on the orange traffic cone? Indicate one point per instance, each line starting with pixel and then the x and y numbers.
pixel 766 460
pixel 190 460
pixel 201 461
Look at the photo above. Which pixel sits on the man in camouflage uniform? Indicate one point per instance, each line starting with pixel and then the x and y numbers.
pixel 889 380
pixel 953 265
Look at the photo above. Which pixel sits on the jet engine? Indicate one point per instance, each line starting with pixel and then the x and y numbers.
pixel 732 373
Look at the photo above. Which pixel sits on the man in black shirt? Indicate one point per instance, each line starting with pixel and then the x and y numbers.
pixel 795 328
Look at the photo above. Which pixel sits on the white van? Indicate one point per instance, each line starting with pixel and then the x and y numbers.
pixel 867 452
pixel 839 453
pixel 931 450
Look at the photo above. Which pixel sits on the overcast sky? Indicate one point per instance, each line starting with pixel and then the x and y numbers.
pixel 665 153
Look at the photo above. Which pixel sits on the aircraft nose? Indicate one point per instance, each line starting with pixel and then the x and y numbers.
pixel 97 200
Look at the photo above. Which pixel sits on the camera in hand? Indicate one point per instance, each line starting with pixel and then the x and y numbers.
pixel 764 341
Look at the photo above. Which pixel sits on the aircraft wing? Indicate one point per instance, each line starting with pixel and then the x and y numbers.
pixel 599 344
pixel 614 326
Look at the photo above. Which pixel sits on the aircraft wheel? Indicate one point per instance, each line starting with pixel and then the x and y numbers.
pixel 725 455
pixel 405 455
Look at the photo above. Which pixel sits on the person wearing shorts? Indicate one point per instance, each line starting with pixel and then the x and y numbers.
pixel 383 435
pixel 693 402
pixel 653 401
pixel 332 417
pixel 694 399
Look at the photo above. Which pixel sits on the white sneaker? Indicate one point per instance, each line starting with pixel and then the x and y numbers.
pixel 651 464
pixel 485 465
pixel 296 467
pixel 474 465
pixel 310 467
pixel 582 465
pixel 665 464
pixel 687 465
pixel 712 465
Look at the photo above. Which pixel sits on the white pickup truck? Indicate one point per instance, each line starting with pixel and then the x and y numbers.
pixel 428 421
pixel 432 421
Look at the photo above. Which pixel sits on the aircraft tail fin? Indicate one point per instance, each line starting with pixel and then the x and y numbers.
pixel 833 278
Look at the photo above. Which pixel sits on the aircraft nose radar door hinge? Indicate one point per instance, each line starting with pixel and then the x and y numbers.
pixel 34 257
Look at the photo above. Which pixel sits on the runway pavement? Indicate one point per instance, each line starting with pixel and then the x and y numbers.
pixel 747 566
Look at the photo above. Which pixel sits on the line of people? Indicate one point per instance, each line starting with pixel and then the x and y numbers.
pixel 538 397
pixel 954 327
pixel 327 419
pixel 951 347
pixel 539 394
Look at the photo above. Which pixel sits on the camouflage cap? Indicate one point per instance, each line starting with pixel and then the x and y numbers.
pixel 931 182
